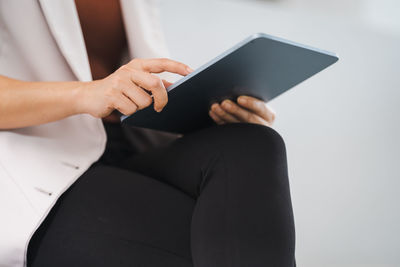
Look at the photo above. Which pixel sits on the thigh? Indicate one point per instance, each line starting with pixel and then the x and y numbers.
pixel 115 217
pixel 238 175
pixel 187 162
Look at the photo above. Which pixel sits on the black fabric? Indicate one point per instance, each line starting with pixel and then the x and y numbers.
pixel 123 141
pixel 217 197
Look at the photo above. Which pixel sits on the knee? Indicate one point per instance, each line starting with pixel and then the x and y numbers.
pixel 255 152
pixel 260 155
pixel 246 137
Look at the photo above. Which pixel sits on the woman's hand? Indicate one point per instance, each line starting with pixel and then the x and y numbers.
pixel 130 88
pixel 247 109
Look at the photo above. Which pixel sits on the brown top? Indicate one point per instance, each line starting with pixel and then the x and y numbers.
pixel 104 34
pixel 105 39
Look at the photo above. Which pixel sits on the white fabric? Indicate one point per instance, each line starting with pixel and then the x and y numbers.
pixel 42 41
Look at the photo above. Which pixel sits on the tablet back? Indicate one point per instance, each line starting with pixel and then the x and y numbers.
pixel 261 66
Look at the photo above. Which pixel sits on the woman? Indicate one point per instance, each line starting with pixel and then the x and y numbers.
pixel 217 197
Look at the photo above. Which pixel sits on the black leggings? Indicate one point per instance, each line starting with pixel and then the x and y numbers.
pixel 215 198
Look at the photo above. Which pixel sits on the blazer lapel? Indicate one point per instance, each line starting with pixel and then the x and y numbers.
pixel 143 29
pixel 63 21
pixel 144 32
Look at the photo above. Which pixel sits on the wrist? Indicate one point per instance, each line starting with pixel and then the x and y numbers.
pixel 80 97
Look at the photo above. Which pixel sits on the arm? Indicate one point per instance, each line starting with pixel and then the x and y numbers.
pixel 25 104
pixel 28 103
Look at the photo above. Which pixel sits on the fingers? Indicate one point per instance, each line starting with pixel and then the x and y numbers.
pixel 133 86
pixel 222 114
pixel 241 114
pixel 153 84
pixel 249 109
pixel 124 105
pixel 139 73
pixel 137 95
pixel 258 107
pixel 215 117
pixel 157 65
pixel 167 84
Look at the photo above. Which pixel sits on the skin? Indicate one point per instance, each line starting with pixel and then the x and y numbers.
pixel 245 109
pixel 126 90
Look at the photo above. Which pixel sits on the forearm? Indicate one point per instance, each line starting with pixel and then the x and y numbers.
pixel 24 104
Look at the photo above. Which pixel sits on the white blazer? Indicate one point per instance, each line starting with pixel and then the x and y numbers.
pixel 42 41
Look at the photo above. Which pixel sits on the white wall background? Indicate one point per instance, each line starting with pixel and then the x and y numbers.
pixel 342 127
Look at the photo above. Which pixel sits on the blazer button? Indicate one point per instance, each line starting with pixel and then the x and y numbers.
pixel 41 190
pixel 76 167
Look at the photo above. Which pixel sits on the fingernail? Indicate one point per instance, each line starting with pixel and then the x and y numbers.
pixel 242 100
pixel 226 104
pixel 218 109
pixel 189 69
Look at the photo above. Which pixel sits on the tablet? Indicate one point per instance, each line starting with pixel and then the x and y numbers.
pixel 261 66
